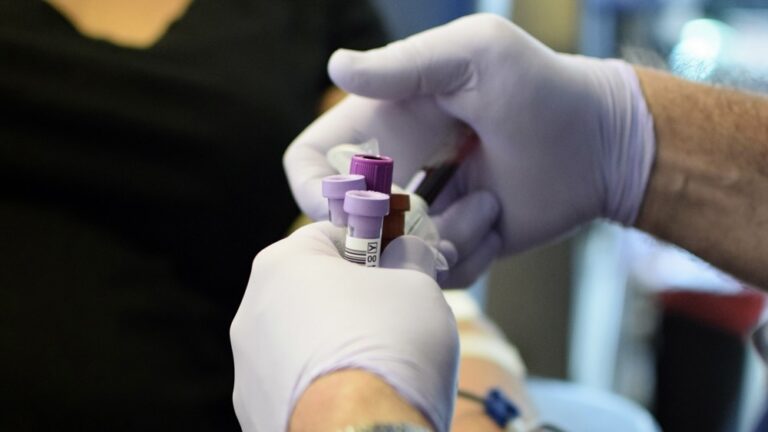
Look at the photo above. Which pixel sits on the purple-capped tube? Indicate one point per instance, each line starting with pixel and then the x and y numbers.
pixel 335 188
pixel 365 211
pixel 376 169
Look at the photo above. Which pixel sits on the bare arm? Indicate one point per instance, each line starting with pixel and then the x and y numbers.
pixel 708 191
pixel 351 398
pixel 358 398
pixel 478 375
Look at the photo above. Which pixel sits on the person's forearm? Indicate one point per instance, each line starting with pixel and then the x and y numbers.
pixel 351 398
pixel 708 190
pixel 479 375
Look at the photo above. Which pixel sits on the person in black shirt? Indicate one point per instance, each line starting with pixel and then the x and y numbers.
pixel 140 178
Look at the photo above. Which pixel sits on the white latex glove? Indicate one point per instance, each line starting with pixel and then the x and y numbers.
pixel 307 312
pixel 564 139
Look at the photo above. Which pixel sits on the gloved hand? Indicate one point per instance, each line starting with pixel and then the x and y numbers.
pixel 307 312
pixel 564 139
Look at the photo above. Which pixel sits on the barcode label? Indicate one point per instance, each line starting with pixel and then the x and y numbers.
pixel 362 251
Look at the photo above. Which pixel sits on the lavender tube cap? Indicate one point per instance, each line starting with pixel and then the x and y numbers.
pixel 335 188
pixel 366 211
pixel 376 169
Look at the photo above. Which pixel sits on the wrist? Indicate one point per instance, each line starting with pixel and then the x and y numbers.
pixel 627 140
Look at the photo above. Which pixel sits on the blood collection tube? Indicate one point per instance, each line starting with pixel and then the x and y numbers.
pixel 377 171
pixel 365 214
pixel 394 222
pixel 378 177
pixel 335 188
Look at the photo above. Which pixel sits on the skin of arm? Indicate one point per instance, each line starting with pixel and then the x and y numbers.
pixel 358 398
pixel 478 376
pixel 351 398
pixel 708 189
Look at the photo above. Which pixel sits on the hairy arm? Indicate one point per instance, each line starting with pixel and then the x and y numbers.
pixel 708 191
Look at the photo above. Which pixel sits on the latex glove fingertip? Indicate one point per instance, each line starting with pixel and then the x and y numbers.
pixel 341 64
pixel 448 249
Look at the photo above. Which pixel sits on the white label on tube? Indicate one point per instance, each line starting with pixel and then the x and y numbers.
pixel 362 251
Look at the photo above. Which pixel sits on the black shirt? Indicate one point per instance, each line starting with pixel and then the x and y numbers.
pixel 137 185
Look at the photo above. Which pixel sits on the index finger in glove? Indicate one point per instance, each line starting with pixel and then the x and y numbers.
pixel 409 132
pixel 305 160
pixel 436 61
